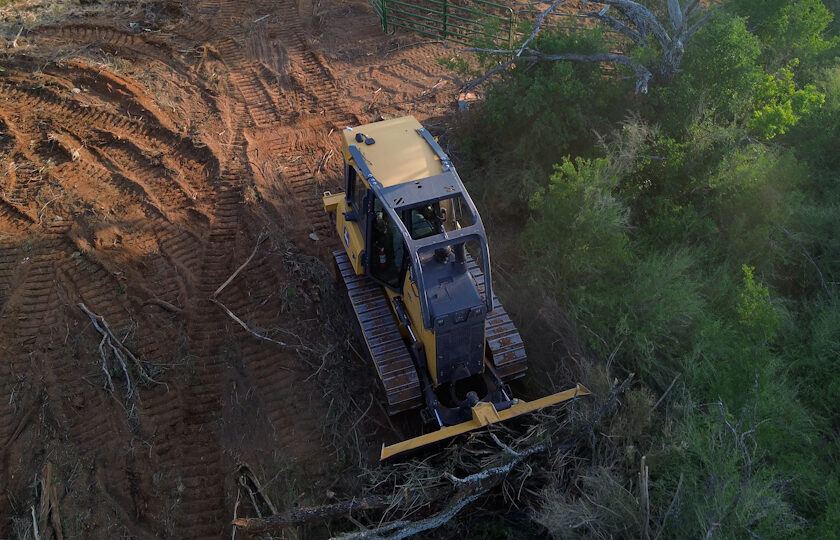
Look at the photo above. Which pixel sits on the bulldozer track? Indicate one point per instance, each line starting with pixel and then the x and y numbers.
pixel 42 278
pixel 507 351
pixel 387 349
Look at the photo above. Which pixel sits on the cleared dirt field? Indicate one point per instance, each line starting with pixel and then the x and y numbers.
pixel 144 149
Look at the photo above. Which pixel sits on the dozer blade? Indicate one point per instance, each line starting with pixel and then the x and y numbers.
pixel 483 414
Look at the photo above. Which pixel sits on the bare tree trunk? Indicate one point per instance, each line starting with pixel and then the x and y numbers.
pixel 302 515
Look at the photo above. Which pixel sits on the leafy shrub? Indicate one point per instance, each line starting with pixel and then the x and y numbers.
pixel 779 105
pixel 720 72
pixel 705 251
pixel 725 490
pixel 789 29
pixel 576 239
pixel 820 132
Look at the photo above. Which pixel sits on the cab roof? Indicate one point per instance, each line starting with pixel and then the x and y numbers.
pixel 398 155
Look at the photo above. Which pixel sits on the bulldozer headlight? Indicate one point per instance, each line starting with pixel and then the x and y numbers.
pixel 440 322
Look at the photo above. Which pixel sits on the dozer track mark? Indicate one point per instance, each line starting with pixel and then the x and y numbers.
pixel 503 339
pixel 387 348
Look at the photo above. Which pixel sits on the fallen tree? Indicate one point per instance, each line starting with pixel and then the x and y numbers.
pixel 422 484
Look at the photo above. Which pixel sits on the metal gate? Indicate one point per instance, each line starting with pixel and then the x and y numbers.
pixel 468 22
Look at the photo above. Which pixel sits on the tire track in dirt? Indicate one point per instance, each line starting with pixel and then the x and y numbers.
pixel 245 76
pixel 115 41
pixel 159 222
pixel 293 109
pixel 145 136
pixel 156 182
pixel 118 167
pixel 403 80
pixel 35 341
pixel 200 470
pixel 277 383
pixel 12 220
pixel 318 112
pixel 296 417
pixel 117 158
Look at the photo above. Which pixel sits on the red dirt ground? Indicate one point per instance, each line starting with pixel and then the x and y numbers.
pixel 143 147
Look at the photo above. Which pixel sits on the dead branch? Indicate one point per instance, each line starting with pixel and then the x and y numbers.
pixel 14 42
pixel 644 496
pixel 665 393
pixel 109 382
pixel 616 25
pixel 165 305
pixel 427 483
pixel 296 516
pixel 250 482
pixel 48 506
pixel 260 240
pixel 257 335
pixel 235 509
pixel 489 73
pixel 476 485
pixel 469 489
pixel 120 351
pixel 640 17
pixel 35 524
pixel 213 298
pixel 537 25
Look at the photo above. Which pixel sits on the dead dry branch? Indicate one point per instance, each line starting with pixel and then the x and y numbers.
pixel 118 350
pixel 48 514
pixel 297 516
pixel 214 299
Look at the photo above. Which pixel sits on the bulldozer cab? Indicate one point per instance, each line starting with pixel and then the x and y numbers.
pixel 421 226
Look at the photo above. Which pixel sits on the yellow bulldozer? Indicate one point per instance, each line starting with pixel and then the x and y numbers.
pixel 416 267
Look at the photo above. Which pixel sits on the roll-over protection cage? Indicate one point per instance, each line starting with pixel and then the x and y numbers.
pixel 429 190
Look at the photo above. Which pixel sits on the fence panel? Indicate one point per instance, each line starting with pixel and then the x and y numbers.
pixel 468 22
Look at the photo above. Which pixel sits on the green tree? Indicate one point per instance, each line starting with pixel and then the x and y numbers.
pixel 789 29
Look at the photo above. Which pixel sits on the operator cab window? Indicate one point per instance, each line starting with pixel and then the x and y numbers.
pixel 435 218
pixel 387 249
pixel 425 221
pixel 359 190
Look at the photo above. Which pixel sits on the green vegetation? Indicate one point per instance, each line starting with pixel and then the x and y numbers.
pixel 693 236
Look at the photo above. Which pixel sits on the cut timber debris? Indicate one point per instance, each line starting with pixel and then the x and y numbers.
pixel 296 516
pixel 460 493
pixel 48 524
